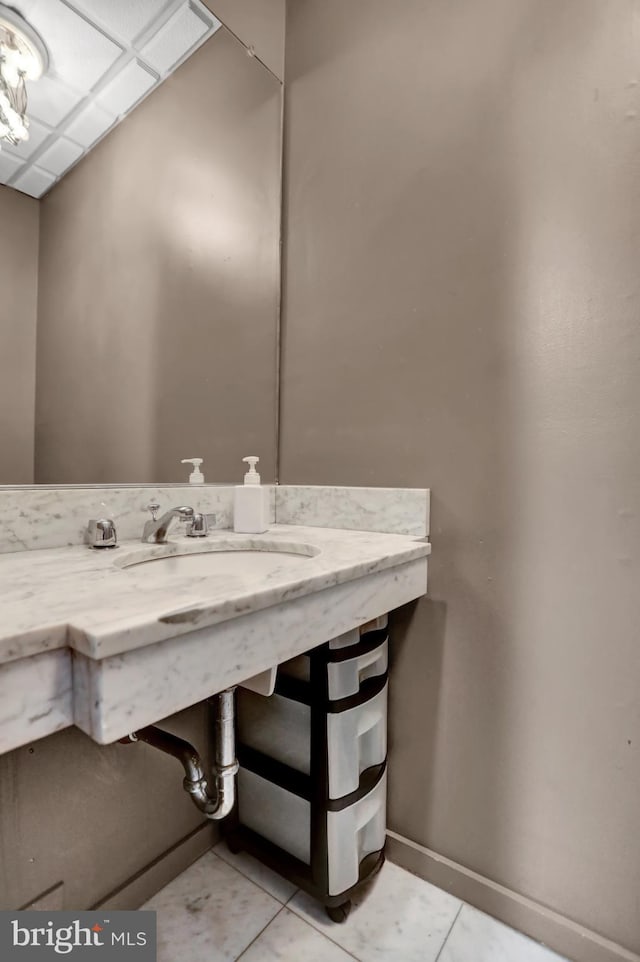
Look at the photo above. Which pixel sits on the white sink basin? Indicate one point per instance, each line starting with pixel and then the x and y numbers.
pixel 207 558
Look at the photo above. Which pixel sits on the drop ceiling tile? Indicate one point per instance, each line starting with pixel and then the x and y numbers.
pixel 37 136
pixel 60 156
pixel 80 53
pixel 126 88
pixel 93 80
pixel 92 122
pixel 50 100
pixel 34 182
pixel 176 38
pixel 125 18
pixel 8 165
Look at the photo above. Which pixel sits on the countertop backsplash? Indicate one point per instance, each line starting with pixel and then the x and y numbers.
pixel 52 517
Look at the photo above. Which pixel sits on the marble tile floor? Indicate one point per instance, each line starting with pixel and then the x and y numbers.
pixel 230 907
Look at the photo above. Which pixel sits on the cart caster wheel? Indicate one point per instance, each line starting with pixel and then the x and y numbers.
pixel 340 913
pixel 234 847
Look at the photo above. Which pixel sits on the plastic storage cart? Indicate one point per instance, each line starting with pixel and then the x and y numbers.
pixel 312 777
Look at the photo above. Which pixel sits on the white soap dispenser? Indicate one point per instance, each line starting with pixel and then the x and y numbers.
pixel 196 476
pixel 251 502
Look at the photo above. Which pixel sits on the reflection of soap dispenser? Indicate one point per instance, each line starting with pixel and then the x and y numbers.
pixel 196 476
pixel 251 502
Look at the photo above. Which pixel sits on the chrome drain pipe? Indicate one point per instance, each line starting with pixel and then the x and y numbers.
pixel 220 803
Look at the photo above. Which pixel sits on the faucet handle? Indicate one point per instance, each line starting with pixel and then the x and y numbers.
pixel 197 527
pixel 101 533
pixel 153 507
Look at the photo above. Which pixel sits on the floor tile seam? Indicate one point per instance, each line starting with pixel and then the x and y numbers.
pixel 262 930
pixel 248 877
pixel 322 932
pixel 451 928
pixel 283 905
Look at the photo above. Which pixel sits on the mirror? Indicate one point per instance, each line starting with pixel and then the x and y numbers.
pixel 140 290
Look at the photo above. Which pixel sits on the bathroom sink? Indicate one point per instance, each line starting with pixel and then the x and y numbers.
pixel 248 558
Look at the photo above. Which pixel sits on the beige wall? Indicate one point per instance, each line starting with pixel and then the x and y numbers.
pixel 92 818
pixel 259 24
pixel 159 285
pixel 18 306
pixel 461 311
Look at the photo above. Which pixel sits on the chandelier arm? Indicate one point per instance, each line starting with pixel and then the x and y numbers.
pixel 23 56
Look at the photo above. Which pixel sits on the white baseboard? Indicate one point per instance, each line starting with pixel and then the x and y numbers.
pixel 540 923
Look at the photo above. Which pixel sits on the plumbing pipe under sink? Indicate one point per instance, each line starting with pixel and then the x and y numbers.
pixel 219 804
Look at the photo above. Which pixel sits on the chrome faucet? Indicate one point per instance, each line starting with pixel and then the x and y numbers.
pixel 155 531
pixel 101 533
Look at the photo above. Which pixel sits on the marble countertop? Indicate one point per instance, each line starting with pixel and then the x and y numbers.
pixel 87 600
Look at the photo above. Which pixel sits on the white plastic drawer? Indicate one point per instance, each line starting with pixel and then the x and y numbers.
pixel 357 740
pixel 354 833
pixel 285 819
pixel 382 621
pixel 281 728
pixel 274 813
pixel 276 726
pixel 345 641
pixel 346 677
pixel 300 667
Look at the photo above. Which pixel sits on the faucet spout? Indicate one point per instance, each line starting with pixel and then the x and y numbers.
pixel 155 531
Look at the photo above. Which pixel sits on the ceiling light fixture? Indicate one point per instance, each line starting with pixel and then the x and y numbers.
pixel 23 56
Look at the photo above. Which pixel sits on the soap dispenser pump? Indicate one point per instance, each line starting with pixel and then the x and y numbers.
pixel 251 502
pixel 252 476
pixel 196 476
